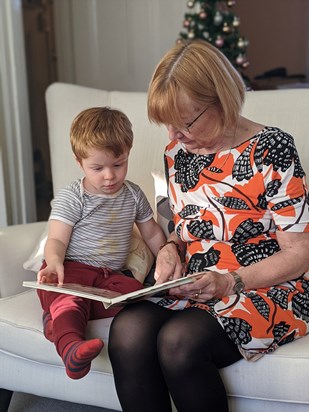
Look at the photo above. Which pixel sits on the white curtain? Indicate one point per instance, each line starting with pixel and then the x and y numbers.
pixel 17 189
pixel 114 44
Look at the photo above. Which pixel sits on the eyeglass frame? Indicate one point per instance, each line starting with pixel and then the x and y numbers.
pixel 188 126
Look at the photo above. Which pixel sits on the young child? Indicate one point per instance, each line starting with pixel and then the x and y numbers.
pixel 89 234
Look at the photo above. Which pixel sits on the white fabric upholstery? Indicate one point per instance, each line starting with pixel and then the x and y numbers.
pixel 29 363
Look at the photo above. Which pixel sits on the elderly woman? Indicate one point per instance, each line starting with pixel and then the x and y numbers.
pixel 239 198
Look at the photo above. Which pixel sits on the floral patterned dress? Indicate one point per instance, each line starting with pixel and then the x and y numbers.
pixel 227 207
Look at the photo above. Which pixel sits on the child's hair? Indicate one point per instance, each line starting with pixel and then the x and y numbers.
pixel 101 128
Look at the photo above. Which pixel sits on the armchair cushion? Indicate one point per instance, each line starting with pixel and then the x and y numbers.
pixel 16 244
pixel 163 211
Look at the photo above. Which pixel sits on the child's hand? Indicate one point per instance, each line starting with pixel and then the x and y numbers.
pixel 51 275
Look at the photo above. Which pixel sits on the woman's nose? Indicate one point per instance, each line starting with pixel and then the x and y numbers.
pixel 173 132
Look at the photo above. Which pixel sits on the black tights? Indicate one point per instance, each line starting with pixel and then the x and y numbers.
pixel 156 352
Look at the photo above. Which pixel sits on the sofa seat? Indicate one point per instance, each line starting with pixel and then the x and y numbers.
pixel 23 312
pixel 27 315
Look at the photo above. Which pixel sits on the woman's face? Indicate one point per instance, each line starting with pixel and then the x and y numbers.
pixel 199 123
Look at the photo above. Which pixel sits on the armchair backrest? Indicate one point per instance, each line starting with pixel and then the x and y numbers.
pixel 287 109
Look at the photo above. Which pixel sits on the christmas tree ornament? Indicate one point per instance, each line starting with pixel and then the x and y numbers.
pixel 241 43
pixel 191 35
pixel 240 59
pixel 205 35
pixel 190 4
pixel 226 28
pixel 231 3
pixel 236 21
pixel 219 41
pixel 203 15
pixel 218 18
pixel 186 23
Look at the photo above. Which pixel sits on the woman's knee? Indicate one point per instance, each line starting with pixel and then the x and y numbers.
pixel 175 347
pixel 133 327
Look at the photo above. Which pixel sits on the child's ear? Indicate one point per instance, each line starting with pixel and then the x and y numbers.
pixel 78 161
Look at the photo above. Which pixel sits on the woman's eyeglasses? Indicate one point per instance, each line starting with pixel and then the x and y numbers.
pixel 188 126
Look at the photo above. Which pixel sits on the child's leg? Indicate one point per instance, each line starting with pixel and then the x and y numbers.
pixel 117 282
pixel 70 316
pixel 65 320
pixel 48 325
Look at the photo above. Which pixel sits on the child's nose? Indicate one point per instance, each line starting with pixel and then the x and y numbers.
pixel 109 174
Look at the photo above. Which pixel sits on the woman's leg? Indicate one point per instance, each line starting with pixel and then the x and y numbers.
pixel 133 352
pixel 192 347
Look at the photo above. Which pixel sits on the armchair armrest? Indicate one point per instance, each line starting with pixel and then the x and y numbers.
pixel 17 242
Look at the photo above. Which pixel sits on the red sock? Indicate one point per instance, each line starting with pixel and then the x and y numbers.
pixel 48 326
pixel 77 356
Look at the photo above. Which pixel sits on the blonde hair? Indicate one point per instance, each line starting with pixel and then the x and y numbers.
pixel 101 128
pixel 204 74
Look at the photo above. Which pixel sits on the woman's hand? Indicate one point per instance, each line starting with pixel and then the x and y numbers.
pixel 168 264
pixel 207 286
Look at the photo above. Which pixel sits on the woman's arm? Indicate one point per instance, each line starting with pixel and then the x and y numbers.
pixel 290 262
pixel 170 259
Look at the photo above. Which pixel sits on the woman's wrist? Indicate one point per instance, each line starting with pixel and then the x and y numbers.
pixel 230 282
pixel 172 242
pixel 235 283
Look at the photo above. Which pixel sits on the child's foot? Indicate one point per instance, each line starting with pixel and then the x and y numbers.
pixel 48 326
pixel 77 356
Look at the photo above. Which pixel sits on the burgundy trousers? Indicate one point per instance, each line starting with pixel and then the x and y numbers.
pixel 70 313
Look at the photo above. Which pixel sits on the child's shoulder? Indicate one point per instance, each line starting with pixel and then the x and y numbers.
pixel 132 185
pixel 135 190
pixel 74 187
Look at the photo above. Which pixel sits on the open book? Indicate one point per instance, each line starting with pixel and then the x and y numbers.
pixel 109 297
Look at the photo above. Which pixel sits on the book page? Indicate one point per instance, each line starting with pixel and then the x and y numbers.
pixel 87 292
pixel 108 297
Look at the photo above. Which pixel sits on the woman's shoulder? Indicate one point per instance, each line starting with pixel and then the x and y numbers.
pixel 273 136
pixel 249 131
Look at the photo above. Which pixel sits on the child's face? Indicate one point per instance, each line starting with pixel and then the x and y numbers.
pixel 104 173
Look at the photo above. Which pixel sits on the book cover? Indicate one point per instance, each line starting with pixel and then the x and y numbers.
pixel 108 297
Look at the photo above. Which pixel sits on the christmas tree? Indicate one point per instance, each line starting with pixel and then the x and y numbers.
pixel 213 21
